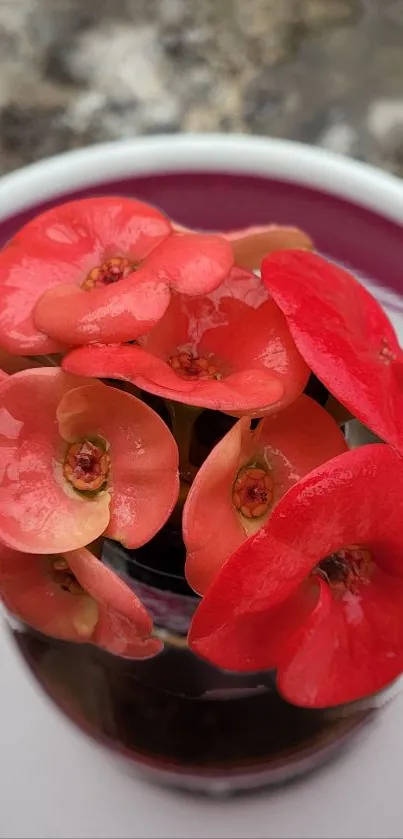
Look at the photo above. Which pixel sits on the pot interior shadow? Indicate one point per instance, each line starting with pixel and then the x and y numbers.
pixel 174 714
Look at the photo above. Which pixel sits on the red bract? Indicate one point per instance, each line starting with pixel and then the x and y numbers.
pixel 78 459
pixel 318 592
pixel 229 350
pixel 108 264
pixel 251 244
pixel 242 480
pixel 76 598
pixel 344 336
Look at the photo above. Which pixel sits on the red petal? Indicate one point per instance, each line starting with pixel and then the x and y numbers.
pixel 115 633
pixel 29 592
pixel 192 265
pixel 127 309
pixel 257 641
pixel 144 481
pixel 292 443
pixel 86 232
pixel 347 648
pixel 38 511
pixel 356 498
pixel 62 246
pixel 104 586
pixel 344 336
pixel 22 281
pixel 211 526
pixel 242 331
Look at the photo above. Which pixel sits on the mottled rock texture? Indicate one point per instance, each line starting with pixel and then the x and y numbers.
pixel 75 72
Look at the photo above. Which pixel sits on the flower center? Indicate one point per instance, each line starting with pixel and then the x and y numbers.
pixel 84 614
pixel 193 367
pixel 65 578
pixel 347 570
pixel 252 492
pixel 86 466
pixel 111 271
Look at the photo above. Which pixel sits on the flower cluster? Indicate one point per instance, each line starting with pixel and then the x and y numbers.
pixel 292 539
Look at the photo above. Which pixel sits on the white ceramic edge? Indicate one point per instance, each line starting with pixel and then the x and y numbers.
pixel 283 159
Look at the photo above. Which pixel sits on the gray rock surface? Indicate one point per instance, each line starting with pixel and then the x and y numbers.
pixel 75 72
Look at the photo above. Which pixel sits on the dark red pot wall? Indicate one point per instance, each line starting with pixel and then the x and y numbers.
pixel 342 230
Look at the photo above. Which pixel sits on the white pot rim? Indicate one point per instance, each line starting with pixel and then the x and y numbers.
pixel 226 153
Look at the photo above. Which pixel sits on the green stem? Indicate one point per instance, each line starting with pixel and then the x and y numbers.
pixel 183 419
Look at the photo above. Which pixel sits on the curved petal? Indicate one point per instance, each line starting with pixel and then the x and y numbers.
pixel 289 444
pixel 118 635
pixel 30 592
pixel 356 498
pixel 192 265
pixel 257 641
pixel 252 244
pixel 241 391
pixel 21 283
pixel 260 342
pixel 144 482
pixel 87 231
pixel 116 313
pixel 344 336
pixel 243 333
pixel 104 586
pixel 129 308
pixel 38 510
pixel 346 649
pixel 211 526
pixel 62 246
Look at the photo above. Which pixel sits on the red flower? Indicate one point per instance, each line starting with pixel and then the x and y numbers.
pixel 245 476
pixel 251 244
pixel 78 459
pixel 76 598
pixel 344 336
pixel 318 592
pixel 229 350
pixel 108 264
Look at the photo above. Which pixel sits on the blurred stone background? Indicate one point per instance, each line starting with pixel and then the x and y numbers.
pixel 75 72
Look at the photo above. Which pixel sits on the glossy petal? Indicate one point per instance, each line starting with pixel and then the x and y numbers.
pixel 61 247
pixel 344 336
pixel 127 309
pixel 237 327
pixel 356 498
pixel 107 613
pixel 346 649
pixel 257 641
pixel 144 480
pixel 38 512
pixel 290 444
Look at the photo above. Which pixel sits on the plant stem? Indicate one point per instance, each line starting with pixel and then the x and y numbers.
pixel 183 419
